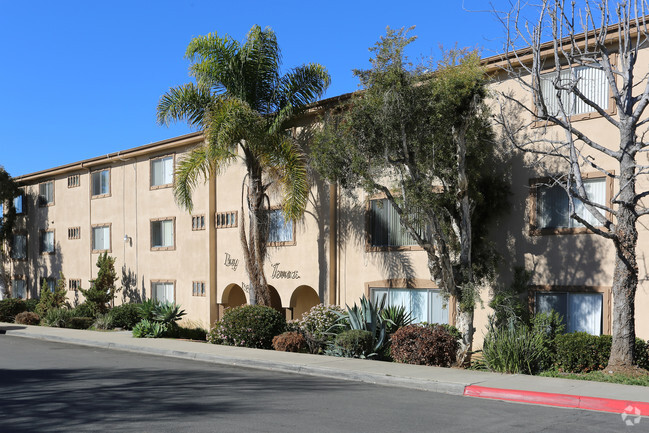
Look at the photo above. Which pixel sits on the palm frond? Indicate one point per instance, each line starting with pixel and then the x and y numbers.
pixel 198 164
pixel 214 62
pixel 285 162
pixel 186 102
pixel 261 60
pixel 297 89
pixel 229 122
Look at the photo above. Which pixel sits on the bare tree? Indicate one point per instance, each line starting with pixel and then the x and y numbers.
pixel 582 44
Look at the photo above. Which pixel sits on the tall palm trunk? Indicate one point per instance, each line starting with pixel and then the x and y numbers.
pixel 254 245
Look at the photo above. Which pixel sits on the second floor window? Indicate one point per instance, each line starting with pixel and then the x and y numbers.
pixel 162 234
pixel 47 241
pixel 280 229
pixel 19 204
pixel 591 83
pixel 553 205
pixel 46 193
pixel 385 226
pixel 100 183
pixel 101 238
pixel 162 171
pixel 19 247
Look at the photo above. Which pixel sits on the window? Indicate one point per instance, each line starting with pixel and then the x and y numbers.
pixel 424 305
pixel 19 247
pixel 19 288
pixel 162 172
pixel 100 183
pixel 162 234
pixel 50 282
pixel 280 230
pixel 47 241
pixel 590 81
pixel 198 288
pixel 46 193
pixel 74 181
pixel 553 204
pixel 385 226
pixel 19 204
pixel 581 312
pixel 226 219
pixel 74 284
pixel 74 233
pixel 163 291
pixel 198 222
pixel 101 238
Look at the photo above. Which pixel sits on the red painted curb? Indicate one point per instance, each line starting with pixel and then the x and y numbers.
pixel 552 399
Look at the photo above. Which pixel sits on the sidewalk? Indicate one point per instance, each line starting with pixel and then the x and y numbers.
pixel 580 394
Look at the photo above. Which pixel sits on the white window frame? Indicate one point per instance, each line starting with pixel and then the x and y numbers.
pixel 107 238
pixel 412 298
pixel 548 194
pixel 100 181
pixel 158 240
pixel 166 164
pixel 167 286
pixel 46 193
pixel 591 82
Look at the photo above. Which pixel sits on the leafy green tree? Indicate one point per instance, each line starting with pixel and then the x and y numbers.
pixel 244 105
pixel 8 191
pixel 102 289
pixel 52 299
pixel 424 140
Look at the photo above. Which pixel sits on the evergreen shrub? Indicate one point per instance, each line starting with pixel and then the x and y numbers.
pixel 11 307
pixel 424 345
pixel 125 316
pixel 249 326
pixel 80 322
pixel 290 342
pixel 353 343
pixel 579 352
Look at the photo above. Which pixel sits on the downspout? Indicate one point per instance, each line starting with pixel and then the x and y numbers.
pixel 333 242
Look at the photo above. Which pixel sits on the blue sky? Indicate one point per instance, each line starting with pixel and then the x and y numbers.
pixel 80 79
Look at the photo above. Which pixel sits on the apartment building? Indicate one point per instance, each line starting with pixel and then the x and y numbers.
pixel 345 247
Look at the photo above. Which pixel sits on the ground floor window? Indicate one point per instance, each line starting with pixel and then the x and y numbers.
pixel 424 305
pixel 582 312
pixel 19 289
pixel 163 291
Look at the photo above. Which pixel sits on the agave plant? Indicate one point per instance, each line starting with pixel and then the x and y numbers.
pixel 366 317
pixel 167 313
pixel 395 317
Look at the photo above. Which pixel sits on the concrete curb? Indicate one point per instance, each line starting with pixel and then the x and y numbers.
pixel 560 400
pixel 285 367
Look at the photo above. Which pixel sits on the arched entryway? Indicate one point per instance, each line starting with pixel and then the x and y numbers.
pixel 233 296
pixel 302 300
pixel 275 300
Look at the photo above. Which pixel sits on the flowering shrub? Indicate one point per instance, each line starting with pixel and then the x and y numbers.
pixel 318 326
pixel 289 342
pixel 248 326
pixel 424 345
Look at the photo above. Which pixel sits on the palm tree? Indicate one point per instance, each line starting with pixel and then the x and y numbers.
pixel 241 102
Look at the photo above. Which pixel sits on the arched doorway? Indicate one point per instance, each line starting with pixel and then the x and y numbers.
pixel 233 296
pixel 302 300
pixel 275 300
